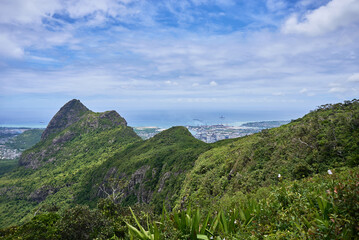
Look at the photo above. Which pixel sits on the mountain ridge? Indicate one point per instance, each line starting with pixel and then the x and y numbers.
pixel 80 163
pixel 74 163
pixel 71 121
pixel 68 114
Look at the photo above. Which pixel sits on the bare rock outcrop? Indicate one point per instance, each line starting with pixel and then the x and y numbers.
pixel 70 113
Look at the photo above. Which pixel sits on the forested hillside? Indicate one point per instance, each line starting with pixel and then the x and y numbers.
pixel 53 170
pixel 323 139
pixel 299 180
pixel 84 156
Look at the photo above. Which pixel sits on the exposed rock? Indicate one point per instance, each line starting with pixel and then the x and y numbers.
pixel 36 159
pixel 136 186
pixel 114 119
pixel 106 120
pixel 64 125
pixel 165 176
pixel 110 172
pixel 31 160
pixel 64 138
pixel 139 175
pixel 154 171
pixel 70 113
pixel 40 194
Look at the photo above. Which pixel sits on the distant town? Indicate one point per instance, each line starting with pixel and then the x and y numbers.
pixel 11 147
pixel 214 133
pixel 6 136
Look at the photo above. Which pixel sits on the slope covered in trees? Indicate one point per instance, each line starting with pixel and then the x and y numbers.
pixel 323 139
pixel 52 170
pixel 90 155
pixel 235 183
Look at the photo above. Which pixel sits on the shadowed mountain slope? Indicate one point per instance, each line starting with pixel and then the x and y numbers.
pixel 76 161
pixel 153 169
pixel 76 141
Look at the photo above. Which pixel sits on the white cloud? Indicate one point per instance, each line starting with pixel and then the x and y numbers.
pixel 275 5
pixel 173 83
pixel 43 59
pixel 337 90
pixel 27 12
pixel 334 15
pixel 303 90
pixel 30 12
pixel 8 48
pixel 168 63
pixel 213 83
pixel 354 78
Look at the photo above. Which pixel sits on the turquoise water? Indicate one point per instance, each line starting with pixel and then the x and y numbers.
pixel 23 125
pixel 167 119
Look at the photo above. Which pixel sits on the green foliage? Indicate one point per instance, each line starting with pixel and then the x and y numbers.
pixel 232 186
pixel 322 207
pixel 323 139
pixel 25 140
pixel 319 207
pixel 82 223
pixel 78 222
pixel 7 165
pixel 151 234
pixel 40 227
pixel 63 168
pixel 165 159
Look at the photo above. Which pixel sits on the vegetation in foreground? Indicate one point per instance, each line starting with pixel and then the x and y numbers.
pixel 325 206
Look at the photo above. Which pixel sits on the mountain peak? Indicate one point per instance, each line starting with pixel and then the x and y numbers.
pixel 70 113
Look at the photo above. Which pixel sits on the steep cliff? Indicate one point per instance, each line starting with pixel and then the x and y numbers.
pixel 70 113
pixel 72 121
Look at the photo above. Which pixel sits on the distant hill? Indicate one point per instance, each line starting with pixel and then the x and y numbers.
pixel 264 124
pixel 25 140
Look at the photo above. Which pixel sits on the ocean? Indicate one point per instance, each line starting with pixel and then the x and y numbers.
pixel 166 119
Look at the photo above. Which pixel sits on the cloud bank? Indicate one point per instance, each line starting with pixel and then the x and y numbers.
pixel 192 54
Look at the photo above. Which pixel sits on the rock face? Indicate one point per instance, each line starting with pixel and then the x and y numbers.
pixel 103 121
pixel 40 195
pixel 70 113
pixel 136 185
pixel 71 121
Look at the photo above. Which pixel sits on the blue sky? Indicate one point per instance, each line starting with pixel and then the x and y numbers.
pixel 242 58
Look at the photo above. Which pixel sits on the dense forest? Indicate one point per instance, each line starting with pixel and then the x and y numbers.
pixel 92 177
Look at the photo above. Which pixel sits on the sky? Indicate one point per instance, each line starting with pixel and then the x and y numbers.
pixel 174 61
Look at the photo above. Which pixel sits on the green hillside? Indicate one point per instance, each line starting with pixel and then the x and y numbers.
pixel 77 163
pixel 323 139
pixel 26 139
pixel 280 172
pixel 53 170
pixel 153 169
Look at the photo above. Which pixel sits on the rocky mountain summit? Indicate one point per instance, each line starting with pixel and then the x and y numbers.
pixel 84 156
pixel 71 121
pixel 70 113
